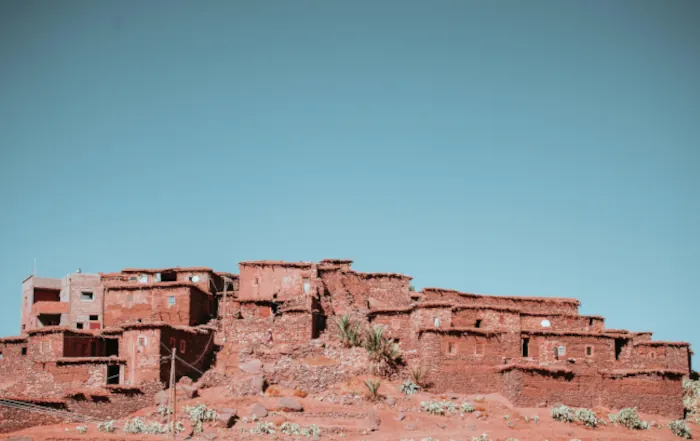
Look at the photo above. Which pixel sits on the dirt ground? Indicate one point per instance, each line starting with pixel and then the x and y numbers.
pixel 345 413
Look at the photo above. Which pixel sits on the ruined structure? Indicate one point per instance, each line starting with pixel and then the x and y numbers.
pixel 111 335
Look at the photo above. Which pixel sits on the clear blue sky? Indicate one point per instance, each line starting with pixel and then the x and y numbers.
pixel 524 148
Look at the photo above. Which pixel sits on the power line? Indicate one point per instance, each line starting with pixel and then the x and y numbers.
pixel 19 405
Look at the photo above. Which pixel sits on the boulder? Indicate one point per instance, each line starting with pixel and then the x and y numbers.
pixel 247 385
pixel 400 416
pixel 250 366
pixel 161 398
pixel 289 404
pixel 225 418
pixel 373 421
pixel 185 381
pixel 186 392
pixel 257 410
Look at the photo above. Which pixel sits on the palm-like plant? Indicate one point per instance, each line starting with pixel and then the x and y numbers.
pixel 373 387
pixel 348 332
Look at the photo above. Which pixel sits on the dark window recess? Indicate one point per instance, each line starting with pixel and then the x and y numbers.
pixel 86 295
pixel 526 347
pixel 590 322
pixel 589 350
pixel 619 344
pixel 24 351
pixel 273 308
pixel 478 324
pixel 168 277
pixel 79 325
pixel 94 317
pixel 0 355
pixel 113 374
pixel 112 347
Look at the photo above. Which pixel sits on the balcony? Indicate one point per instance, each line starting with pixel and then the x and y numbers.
pixel 49 308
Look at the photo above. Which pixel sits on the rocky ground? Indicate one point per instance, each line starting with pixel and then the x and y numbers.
pixel 346 411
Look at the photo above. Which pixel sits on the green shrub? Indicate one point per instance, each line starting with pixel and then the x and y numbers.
pixel 563 413
pixel 263 429
pixel 382 351
pixel 198 414
pixel 587 417
pixel 467 408
pixel 418 374
pixel 409 388
pixel 107 426
pixel 629 418
pixel 680 428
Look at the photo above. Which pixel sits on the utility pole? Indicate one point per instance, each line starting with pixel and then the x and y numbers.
pixel 173 395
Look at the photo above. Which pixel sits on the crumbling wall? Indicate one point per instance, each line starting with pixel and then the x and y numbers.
pixel 540 387
pixel 29 320
pixel 294 327
pixel 656 393
pixel 12 419
pixel 386 290
pixel 45 346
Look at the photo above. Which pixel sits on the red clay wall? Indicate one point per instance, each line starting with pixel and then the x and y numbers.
pixel 542 305
pixel 81 310
pixel 387 290
pixel 559 322
pixel 196 348
pixel 143 356
pixel 292 327
pixel 542 349
pixel 127 305
pixel 280 282
pixel 397 326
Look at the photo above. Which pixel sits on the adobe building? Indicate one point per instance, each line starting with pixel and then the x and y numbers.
pixel 111 332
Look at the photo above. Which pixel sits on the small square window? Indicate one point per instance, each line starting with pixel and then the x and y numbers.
pixel 589 351
pixel 307 285
pixel 171 300
pixel 561 351
pixel 94 317
pixel 183 346
pixel 24 327
pixel 478 324
pixel 451 349
pixel 142 341
pixel 0 355
pixel 86 296
pixel 79 325
pixel 255 281
pixel 24 351
pixel 133 279
pixel 45 347
pixel 436 322
pixel 652 355
pixel 143 278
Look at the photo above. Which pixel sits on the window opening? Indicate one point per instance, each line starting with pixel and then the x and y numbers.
pixel 24 351
pixel 183 346
pixel 436 322
pixel 478 324
pixel 619 344
pixel 307 285
pixel 451 348
pixel 79 325
pixel 86 296
pixel 589 351
pixel 113 374
pixel 143 278
pixel 171 300
pixel 94 317
pixel 526 347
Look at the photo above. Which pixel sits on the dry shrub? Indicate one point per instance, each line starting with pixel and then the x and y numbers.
pixel 300 393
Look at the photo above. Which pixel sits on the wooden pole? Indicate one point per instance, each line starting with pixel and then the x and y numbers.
pixel 173 393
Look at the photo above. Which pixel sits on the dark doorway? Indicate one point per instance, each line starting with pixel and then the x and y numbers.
pixel 112 347
pixel 478 324
pixel 526 347
pixel 619 344
pixel 113 374
pixel 318 325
